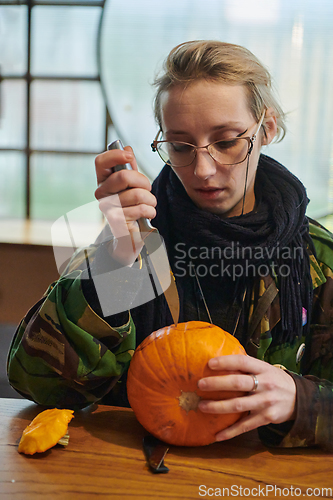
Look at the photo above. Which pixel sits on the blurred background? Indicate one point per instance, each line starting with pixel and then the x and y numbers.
pixel 75 75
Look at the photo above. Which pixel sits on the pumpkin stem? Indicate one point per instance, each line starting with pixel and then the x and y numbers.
pixel 189 401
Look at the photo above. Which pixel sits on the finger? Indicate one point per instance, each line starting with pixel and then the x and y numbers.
pixel 237 362
pixel 128 198
pixel 138 212
pixel 105 161
pixel 134 164
pixel 225 382
pixel 116 215
pixel 137 196
pixel 121 181
pixel 245 424
pixel 233 405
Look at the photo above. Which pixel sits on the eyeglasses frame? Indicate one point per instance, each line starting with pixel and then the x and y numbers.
pixel 250 140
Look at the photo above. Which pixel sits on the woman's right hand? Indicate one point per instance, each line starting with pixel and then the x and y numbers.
pixel 124 197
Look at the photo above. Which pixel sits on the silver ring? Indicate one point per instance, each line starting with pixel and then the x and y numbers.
pixel 255 382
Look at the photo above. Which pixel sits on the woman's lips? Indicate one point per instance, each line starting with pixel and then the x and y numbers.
pixel 209 193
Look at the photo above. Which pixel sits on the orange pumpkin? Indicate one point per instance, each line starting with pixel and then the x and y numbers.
pixel 45 431
pixel 162 382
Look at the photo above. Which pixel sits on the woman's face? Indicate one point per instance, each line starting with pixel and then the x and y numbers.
pixel 204 112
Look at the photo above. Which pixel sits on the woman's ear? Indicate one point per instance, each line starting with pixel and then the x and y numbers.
pixel 270 127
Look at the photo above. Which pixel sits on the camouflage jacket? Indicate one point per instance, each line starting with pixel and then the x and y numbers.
pixel 64 354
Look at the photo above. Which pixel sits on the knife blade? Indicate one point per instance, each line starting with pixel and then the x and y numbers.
pixel 163 278
pixel 155 451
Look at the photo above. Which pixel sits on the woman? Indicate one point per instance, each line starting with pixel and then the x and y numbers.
pixel 242 251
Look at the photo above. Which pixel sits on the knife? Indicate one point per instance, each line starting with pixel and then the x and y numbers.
pixel 158 262
pixel 155 451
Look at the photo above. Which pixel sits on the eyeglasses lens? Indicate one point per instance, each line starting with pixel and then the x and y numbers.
pixel 229 152
pixel 179 154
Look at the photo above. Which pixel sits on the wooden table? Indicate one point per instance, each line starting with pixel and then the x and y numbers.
pixel 104 459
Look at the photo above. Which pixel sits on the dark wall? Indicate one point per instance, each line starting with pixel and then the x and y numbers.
pixel 25 273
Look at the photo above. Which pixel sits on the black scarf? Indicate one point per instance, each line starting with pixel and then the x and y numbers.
pixel 274 236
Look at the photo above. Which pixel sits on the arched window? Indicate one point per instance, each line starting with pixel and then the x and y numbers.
pixel 292 38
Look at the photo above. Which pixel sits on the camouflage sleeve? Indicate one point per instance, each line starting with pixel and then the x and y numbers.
pixel 314 422
pixel 313 425
pixel 63 354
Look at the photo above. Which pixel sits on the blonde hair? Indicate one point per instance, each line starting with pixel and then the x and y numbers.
pixel 225 62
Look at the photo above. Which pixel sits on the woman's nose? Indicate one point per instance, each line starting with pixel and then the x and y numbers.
pixel 205 165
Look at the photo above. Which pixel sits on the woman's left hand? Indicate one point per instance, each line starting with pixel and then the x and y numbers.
pixel 273 401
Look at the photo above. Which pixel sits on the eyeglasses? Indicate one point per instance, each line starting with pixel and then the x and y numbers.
pixel 228 152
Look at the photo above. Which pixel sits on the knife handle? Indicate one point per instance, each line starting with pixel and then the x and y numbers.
pixel 144 224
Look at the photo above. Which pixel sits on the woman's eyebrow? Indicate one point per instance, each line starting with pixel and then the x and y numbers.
pixel 217 128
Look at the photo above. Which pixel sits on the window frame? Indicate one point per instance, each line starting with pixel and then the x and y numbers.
pixel 28 78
